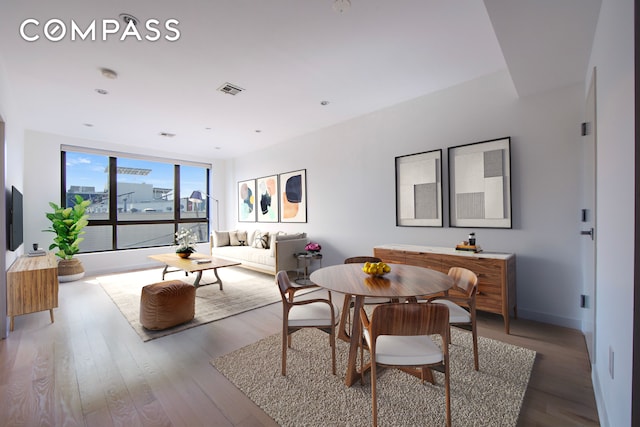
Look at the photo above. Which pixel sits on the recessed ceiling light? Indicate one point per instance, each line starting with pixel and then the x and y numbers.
pixel 126 18
pixel 324 102
pixel 258 131
pixel 89 125
pixel 109 74
pixel 167 134
pixel 102 91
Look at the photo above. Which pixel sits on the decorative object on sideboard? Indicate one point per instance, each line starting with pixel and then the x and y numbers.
pixel 68 224
pixel 469 245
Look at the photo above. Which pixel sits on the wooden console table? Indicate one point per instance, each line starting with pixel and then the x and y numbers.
pixel 32 285
pixel 496 272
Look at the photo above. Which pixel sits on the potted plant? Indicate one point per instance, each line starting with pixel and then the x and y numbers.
pixel 186 240
pixel 68 224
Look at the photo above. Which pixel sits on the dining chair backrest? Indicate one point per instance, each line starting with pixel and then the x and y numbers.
pixel 361 259
pixel 306 313
pixel 410 319
pixel 284 285
pixel 404 330
pixel 465 281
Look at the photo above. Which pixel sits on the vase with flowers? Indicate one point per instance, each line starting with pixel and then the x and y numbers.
pixel 313 247
pixel 186 240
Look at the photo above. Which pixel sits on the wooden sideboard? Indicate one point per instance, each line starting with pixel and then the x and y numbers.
pixel 496 272
pixel 32 285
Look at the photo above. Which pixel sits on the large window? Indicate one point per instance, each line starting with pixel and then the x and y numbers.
pixel 137 202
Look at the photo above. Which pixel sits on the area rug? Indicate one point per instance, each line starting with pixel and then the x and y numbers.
pixel 243 290
pixel 311 396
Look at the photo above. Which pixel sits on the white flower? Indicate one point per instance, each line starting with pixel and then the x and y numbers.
pixel 186 240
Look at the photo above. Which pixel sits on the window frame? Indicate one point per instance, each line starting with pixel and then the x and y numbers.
pixel 112 220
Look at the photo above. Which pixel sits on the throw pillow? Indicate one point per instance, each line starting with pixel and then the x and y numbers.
pixel 233 238
pixel 261 240
pixel 242 238
pixel 220 238
pixel 251 235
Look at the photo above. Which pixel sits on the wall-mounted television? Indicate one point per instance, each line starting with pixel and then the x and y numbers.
pixel 14 218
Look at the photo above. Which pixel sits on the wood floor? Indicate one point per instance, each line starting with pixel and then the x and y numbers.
pixel 90 368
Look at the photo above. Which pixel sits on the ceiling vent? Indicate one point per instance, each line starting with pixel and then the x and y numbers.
pixel 230 89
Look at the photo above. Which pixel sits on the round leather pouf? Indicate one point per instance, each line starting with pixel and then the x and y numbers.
pixel 167 304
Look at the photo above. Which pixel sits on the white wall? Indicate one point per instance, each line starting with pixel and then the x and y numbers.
pixel 13 175
pixel 613 56
pixel 351 182
pixel 39 192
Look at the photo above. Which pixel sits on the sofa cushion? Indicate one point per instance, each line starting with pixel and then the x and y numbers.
pixel 220 238
pixel 291 236
pixel 234 238
pixel 242 237
pixel 280 236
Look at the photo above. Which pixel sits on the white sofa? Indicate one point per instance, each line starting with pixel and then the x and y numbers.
pixel 256 250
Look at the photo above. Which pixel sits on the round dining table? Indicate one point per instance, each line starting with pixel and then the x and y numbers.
pixel 402 282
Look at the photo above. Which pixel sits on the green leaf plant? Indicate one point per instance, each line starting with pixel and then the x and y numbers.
pixel 67 224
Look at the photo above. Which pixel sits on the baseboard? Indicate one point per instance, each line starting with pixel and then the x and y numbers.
pixel 597 391
pixel 550 318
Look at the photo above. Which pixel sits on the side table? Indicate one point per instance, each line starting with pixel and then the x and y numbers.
pixel 304 262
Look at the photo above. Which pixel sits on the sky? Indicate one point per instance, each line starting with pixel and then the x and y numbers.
pixel 91 170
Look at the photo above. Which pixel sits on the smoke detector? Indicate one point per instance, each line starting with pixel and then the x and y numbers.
pixel 230 89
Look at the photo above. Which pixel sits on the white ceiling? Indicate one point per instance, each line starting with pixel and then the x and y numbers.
pixel 288 55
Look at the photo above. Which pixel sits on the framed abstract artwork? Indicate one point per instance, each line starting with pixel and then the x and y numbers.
pixel 267 199
pixel 480 184
pixel 293 196
pixel 419 189
pixel 247 201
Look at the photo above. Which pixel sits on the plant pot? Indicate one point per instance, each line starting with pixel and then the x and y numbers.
pixel 184 254
pixel 70 270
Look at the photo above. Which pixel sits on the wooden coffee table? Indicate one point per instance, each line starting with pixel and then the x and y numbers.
pixel 196 263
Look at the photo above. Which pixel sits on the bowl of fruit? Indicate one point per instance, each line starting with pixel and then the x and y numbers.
pixel 376 269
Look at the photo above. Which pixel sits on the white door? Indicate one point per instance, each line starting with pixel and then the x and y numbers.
pixel 588 219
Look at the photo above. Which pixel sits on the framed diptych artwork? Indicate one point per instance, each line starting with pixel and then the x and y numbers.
pixel 419 189
pixel 480 184
pixel 293 196
pixel 247 201
pixel 267 201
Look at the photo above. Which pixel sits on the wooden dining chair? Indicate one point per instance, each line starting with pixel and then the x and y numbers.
pixel 317 313
pixel 461 301
pixel 348 304
pixel 398 336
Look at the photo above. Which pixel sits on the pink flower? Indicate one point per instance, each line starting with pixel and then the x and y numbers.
pixel 313 247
